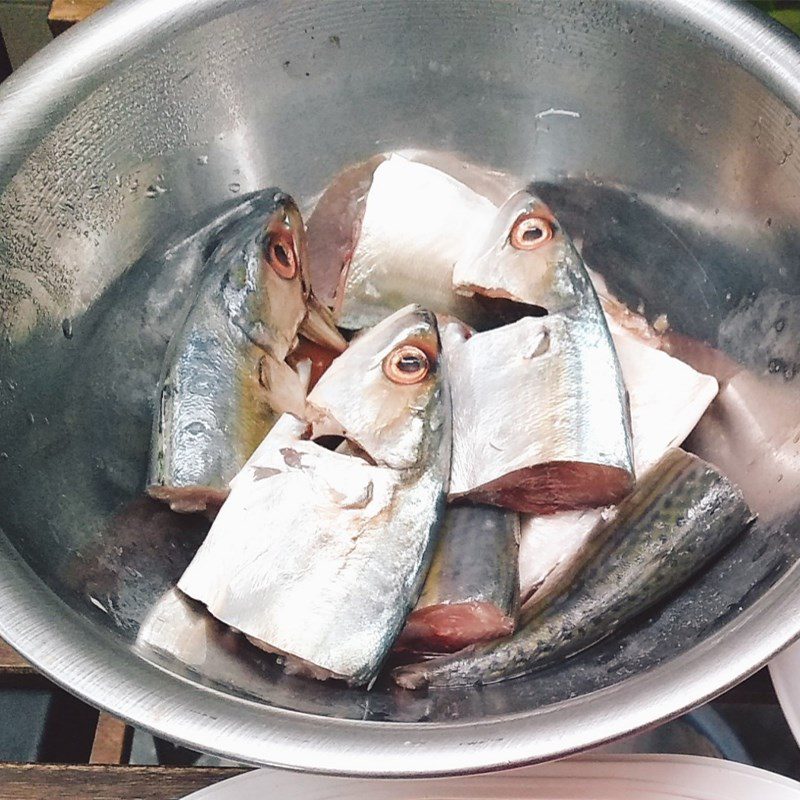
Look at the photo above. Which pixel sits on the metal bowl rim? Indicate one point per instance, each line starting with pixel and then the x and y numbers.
pixel 100 670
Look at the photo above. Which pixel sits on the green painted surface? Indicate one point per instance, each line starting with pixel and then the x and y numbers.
pixel 787 12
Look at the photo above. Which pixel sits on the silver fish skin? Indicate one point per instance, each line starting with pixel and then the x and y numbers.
pixel 319 555
pixel 525 256
pixel 541 421
pixel 471 593
pixel 667 399
pixel 678 518
pixel 541 415
pixel 225 380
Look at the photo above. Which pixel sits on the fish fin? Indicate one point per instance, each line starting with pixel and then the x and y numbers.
pixel 285 388
pixel 319 327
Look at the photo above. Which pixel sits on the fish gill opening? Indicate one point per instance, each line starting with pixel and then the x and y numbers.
pixel 343 446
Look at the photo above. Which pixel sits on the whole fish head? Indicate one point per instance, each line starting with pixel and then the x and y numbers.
pixel 267 287
pixel 525 257
pixel 387 394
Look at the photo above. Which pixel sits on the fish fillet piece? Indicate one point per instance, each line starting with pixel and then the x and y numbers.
pixel 667 399
pixel 549 545
pixel 699 355
pixel 319 555
pixel 751 431
pixel 677 519
pixel 540 416
pixel 471 593
pixel 417 222
pixel 225 380
pixel 175 627
pixel 334 224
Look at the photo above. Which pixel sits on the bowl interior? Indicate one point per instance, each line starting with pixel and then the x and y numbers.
pixel 675 167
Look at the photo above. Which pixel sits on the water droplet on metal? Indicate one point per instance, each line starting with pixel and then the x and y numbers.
pixel 202 160
pixel 776 365
pixel 66 327
pixel 234 187
pixel 780 324
pixel 3 456
pixel 31 418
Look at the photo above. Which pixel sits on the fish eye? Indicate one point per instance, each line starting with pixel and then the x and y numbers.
pixel 530 231
pixel 280 255
pixel 406 365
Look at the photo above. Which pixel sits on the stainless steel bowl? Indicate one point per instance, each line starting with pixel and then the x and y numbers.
pixel 666 136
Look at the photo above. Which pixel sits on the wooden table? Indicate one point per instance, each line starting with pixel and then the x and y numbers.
pixel 96 782
pixel 65 13
pixel 107 776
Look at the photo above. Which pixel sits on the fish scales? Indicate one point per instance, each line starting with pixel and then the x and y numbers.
pixel 678 518
pixel 472 589
pixel 541 419
pixel 320 554
pixel 225 380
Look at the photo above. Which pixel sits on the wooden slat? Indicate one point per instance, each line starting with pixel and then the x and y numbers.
pixel 112 741
pixel 11 662
pixel 15 672
pixel 84 782
pixel 64 14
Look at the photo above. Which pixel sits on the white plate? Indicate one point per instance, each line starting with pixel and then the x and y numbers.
pixel 784 670
pixel 635 777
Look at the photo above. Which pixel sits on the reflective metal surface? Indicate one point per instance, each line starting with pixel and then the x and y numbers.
pixel 664 134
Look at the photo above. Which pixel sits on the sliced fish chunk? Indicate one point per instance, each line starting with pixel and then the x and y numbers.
pixel 320 555
pixel 667 400
pixel 667 397
pixel 471 593
pixel 540 416
pixel 678 519
pixel 417 222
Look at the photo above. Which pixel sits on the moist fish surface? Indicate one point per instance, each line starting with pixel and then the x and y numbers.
pixel 667 399
pixel 678 518
pixel 322 548
pixel 417 221
pixel 550 545
pixel 471 593
pixel 225 378
pixel 524 255
pixel 334 224
pixel 540 416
